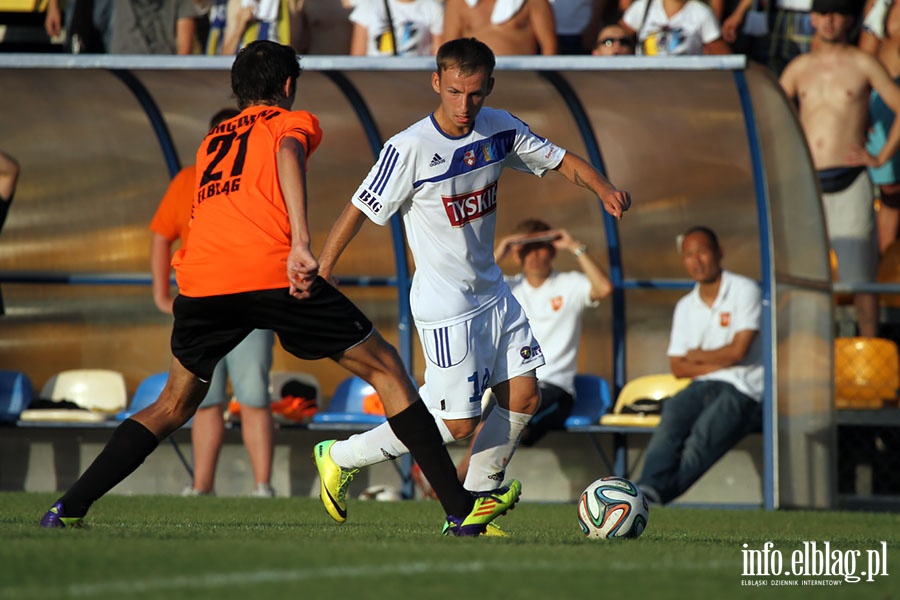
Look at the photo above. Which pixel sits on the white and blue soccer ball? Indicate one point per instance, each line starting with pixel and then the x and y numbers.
pixel 613 508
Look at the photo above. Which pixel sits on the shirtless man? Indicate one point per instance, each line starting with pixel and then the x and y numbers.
pixel 506 26
pixel 880 37
pixel 832 84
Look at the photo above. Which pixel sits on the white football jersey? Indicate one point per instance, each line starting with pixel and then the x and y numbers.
pixel 446 191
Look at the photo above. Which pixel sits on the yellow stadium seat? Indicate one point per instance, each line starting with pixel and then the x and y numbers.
pixel 648 387
pixel 866 372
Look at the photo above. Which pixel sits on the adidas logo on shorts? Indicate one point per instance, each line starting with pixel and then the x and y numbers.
pixel 436 160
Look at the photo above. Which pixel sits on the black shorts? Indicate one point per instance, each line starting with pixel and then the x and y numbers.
pixel 323 325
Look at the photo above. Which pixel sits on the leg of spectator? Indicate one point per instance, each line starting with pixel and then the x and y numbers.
pixel 207 435
pixel 728 416
pixel 660 472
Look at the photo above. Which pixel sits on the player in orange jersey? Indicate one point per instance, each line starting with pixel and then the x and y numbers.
pixel 248 265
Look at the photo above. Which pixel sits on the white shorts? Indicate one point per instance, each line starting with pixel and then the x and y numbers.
pixel 465 359
pixel 850 220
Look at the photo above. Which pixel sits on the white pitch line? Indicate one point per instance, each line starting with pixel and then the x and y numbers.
pixel 209 581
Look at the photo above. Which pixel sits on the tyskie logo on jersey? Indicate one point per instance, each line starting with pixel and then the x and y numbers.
pixel 465 208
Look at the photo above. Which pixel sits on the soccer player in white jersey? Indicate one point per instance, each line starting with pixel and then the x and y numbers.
pixel 441 175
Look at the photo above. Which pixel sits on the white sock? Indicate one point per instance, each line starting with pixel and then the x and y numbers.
pixel 376 445
pixel 493 449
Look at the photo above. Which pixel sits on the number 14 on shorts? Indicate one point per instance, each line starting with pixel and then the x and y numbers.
pixel 479 384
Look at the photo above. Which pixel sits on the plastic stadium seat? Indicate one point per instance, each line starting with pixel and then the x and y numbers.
pixel 99 394
pixel 146 394
pixel 346 406
pixel 98 390
pixel 592 400
pixel 16 392
pixel 648 387
pixel 866 372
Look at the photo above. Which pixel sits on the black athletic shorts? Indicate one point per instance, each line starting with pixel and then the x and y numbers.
pixel 323 325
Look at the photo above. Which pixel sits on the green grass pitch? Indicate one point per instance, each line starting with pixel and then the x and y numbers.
pixel 247 548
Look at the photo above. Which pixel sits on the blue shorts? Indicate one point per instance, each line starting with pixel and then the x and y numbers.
pixel 882 121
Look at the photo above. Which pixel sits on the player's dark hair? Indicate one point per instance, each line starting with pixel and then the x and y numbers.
pixel 468 55
pixel 709 233
pixel 259 72
pixel 223 115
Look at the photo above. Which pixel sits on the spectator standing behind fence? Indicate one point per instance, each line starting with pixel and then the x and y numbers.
pixel 397 27
pixel 235 23
pixel 714 341
pixel 9 178
pixel 614 40
pixel 153 27
pixel 577 23
pixel 248 365
pixel 506 26
pixel 87 24
pixel 831 86
pixel 555 303
pixel 674 27
pixel 880 37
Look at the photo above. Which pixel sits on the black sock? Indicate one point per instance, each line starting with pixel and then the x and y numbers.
pixel 415 427
pixel 129 445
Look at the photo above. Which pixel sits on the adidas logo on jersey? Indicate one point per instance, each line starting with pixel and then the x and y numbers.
pixel 436 160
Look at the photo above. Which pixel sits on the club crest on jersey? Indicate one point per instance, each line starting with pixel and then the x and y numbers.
pixel 556 303
pixel 465 208
pixel 469 158
pixel 724 319
pixel 530 352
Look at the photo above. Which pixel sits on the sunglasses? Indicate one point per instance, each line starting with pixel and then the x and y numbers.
pixel 625 41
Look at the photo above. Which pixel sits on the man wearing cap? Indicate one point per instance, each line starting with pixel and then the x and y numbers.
pixel 831 86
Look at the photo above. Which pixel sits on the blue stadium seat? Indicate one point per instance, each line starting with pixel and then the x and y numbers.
pixel 146 394
pixel 16 393
pixel 346 406
pixel 592 400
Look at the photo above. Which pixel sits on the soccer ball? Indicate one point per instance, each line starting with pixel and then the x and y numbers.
pixel 612 508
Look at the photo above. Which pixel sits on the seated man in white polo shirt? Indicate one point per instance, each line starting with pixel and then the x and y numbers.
pixel 714 341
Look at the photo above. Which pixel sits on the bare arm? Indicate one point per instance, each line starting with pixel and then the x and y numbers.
pixel 700 362
pixel 868 42
pixel 342 232
pixel 788 80
pixel 716 47
pixel 160 271
pixel 184 35
pixel 544 25
pixel 9 176
pixel 882 83
pixel 302 266
pixel 53 21
pixel 453 24
pixel 232 40
pixel 581 173
pixel 592 29
pixel 733 21
pixel 601 287
pixel 359 40
pixel 300 33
